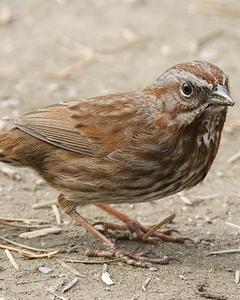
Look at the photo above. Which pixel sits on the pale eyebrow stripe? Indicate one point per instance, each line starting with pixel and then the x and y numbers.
pixel 193 77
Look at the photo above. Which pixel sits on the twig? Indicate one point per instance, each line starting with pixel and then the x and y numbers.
pixel 85 56
pixel 72 70
pixel 38 233
pixel 70 285
pixel 57 297
pixel 44 204
pixel 146 282
pixel 228 251
pixel 57 214
pixel 33 281
pixel 234 158
pixel 11 224
pixel 11 259
pixel 23 246
pixel 91 262
pixel 208 197
pixel 212 296
pixel 191 202
pixel 28 254
pixel 70 269
pixel 154 228
pixel 85 51
pixel 25 221
pixel 232 225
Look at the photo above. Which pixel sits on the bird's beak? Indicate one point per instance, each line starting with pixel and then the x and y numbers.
pixel 221 96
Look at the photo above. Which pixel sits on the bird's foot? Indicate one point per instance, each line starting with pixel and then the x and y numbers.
pixel 137 260
pixel 150 234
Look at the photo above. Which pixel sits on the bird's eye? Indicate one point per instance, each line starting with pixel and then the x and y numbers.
pixel 186 89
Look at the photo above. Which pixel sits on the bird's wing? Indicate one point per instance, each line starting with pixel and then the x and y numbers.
pixel 90 126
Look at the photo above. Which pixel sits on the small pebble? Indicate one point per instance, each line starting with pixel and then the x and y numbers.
pixel 153 269
pixel 45 270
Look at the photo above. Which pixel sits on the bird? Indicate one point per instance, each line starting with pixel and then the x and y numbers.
pixel 127 147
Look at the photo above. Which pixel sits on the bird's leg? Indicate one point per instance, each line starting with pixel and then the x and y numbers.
pixel 137 260
pixel 69 207
pixel 136 227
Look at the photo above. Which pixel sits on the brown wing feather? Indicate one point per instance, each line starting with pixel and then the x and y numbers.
pixel 84 126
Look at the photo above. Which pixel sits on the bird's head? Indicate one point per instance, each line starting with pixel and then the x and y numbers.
pixel 190 89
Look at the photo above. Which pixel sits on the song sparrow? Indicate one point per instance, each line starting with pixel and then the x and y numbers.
pixel 128 147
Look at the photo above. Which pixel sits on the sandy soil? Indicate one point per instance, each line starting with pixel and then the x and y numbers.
pixel 58 50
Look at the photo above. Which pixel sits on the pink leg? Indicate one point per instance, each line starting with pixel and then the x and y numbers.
pixel 112 251
pixel 136 227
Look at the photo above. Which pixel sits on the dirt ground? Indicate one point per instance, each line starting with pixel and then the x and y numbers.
pixel 52 51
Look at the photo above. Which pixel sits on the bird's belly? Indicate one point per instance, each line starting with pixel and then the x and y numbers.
pixel 140 182
pixel 133 188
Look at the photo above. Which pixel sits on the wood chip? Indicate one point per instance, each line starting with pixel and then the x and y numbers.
pixel 105 276
pixel 186 200
pixel 237 277
pixel 70 285
pixel 40 232
pixel 146 283
pixel 70 269
pixel 228 251
pixel 57 214
pixel 44 204
pixel 11 259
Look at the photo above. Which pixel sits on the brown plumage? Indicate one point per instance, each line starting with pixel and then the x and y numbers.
pixel 128 147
